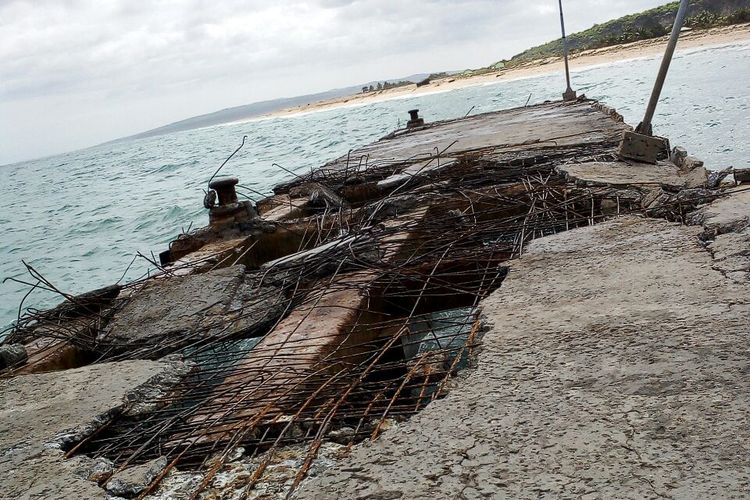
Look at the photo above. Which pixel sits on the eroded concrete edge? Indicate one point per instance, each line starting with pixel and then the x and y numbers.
pixel 35 467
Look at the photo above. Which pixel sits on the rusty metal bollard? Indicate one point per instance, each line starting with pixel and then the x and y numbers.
pixel 225 189
pixel 229 210
pixel 415 120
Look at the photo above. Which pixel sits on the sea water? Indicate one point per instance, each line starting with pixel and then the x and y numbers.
pixel 79 218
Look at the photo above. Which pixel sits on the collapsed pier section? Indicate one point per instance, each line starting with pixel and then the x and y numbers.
pixel 345 303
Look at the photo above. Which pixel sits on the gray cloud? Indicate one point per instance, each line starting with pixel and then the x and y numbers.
pixel 70 66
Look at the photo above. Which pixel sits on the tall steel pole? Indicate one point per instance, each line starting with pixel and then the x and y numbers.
pixel 645 126
pixel 640 144
pixel 569 93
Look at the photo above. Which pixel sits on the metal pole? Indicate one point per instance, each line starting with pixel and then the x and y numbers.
pixel 565 48
pixel 645 126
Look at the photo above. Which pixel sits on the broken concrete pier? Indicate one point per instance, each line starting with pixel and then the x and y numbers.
pixel 614 366
pixel 496 306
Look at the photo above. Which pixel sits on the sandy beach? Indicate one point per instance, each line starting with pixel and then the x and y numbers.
pixel 689 40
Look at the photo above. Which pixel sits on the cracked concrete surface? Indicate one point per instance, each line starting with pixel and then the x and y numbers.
pixel 616 366
pixel 41 413
pixel 726 215
pixel 176 311
pixel 731 253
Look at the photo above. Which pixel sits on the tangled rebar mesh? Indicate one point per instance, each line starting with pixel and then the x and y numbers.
pixel 402 301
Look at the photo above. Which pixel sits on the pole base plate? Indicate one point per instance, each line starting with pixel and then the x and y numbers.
pixel 643 148
pixel 570 95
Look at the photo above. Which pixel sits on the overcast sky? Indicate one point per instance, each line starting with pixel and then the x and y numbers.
pixel 74 73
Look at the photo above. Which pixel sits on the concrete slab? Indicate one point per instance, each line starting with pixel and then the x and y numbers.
pixel 209 256
pixel 47 475
pixel 283 207
pixel 40 413
pixel 554 124
pixel 49 354
pixel 615 367
pixel 284 359
pixel 167 314
pixel 624 174
pixel 336 319
pixel 416 172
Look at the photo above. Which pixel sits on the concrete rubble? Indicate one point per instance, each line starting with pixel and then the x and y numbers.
pixel 742 175
pixel 133 480
pixel 496 306
pixel 12 354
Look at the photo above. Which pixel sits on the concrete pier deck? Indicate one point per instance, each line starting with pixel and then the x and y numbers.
pixel 489 307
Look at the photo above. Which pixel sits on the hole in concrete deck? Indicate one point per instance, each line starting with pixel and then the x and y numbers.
pixel 369 340
pixel 394 364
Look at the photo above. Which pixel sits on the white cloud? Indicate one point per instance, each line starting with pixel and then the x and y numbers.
pixel 84 71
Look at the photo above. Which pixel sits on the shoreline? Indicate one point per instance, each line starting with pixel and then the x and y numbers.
pixel 689 40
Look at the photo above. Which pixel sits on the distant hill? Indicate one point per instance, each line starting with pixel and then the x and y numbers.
pixel 652 23
pixel 248 111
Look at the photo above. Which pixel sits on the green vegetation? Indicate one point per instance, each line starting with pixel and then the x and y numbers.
pixel 385 86
pixel 438 76
pixel 652 23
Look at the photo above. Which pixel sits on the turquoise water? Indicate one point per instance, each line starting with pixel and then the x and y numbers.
pixel 79 218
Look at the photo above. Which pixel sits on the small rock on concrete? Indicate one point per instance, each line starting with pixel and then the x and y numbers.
pixel 691 162
pixel 12 355
pixel 100 470
pixel 696 178
pixel 344 435
pixel 742 175
pixel 715 178
pixel 132 481
pixel 678 155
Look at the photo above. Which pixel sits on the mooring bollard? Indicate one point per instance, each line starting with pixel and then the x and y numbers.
pixel 229 210
pixel 225 189
pixel 415 120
